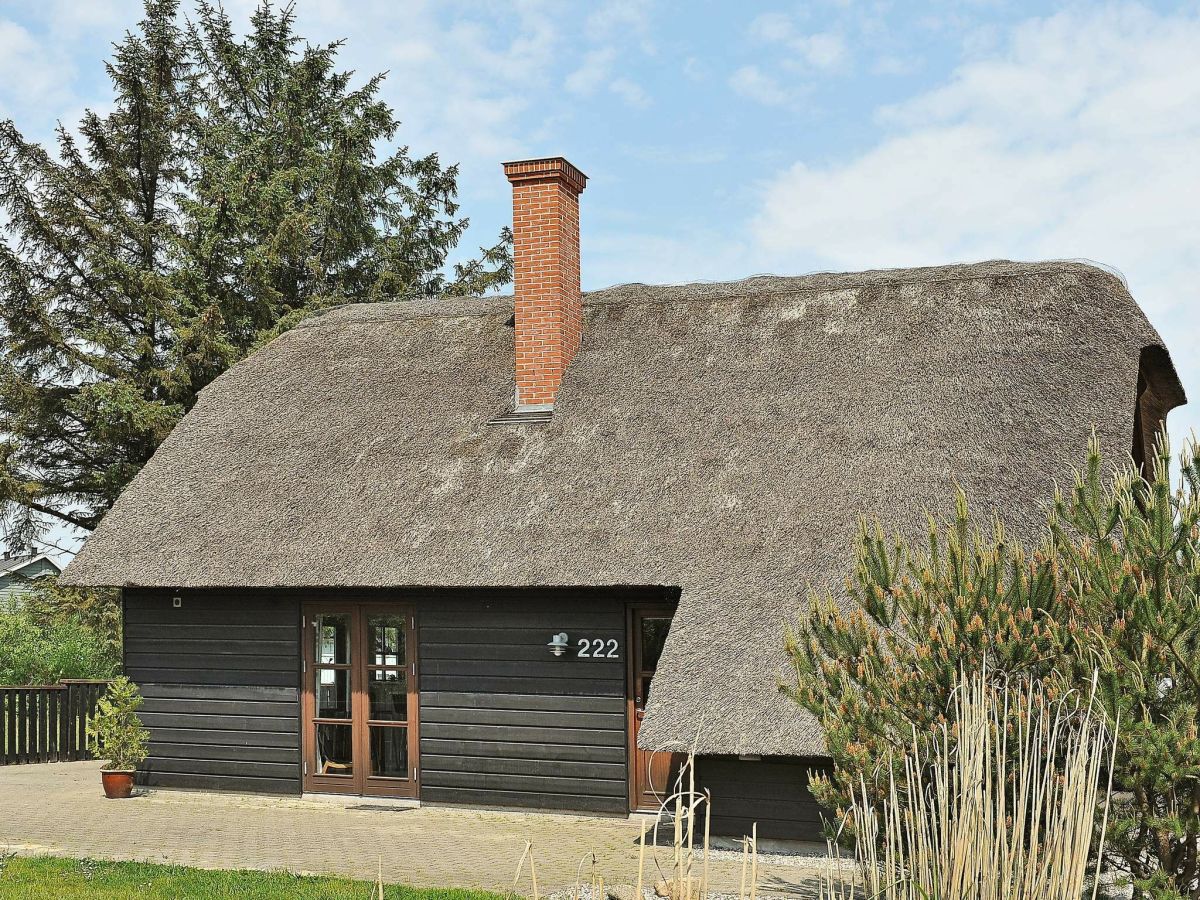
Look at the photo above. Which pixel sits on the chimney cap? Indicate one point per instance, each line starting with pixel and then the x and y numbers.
pixel 546 168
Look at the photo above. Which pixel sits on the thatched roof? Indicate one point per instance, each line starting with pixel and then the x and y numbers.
pixel 722 438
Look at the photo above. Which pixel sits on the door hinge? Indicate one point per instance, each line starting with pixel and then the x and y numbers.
pixel 414 773
pixel 304 665
pixel 306 767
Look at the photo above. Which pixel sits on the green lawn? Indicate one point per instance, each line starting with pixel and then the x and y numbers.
pixel 67 879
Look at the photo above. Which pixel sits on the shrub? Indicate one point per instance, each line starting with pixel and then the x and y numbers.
pixel 1114 584
pixel 32 653
pixel 115 732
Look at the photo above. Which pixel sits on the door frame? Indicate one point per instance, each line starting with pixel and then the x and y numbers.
pixel 633 610
pixel 361 783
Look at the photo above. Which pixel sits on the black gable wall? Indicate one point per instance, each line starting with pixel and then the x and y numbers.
pixel 506 723
pixel 220 675
pixel 771 792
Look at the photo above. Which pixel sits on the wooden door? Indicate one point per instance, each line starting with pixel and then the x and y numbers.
pixel 651 773
pixel 360 711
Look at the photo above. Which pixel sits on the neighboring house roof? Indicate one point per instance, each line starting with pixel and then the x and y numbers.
pixel 724 438
pixel 15 565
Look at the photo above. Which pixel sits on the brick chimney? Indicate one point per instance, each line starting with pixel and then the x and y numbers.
pixel 546 294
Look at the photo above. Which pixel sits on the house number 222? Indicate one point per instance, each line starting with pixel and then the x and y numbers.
pixel 598 648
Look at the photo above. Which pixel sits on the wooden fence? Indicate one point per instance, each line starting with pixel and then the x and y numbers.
pixel 47 723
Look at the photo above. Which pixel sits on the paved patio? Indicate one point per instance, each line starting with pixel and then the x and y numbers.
pixel 58 809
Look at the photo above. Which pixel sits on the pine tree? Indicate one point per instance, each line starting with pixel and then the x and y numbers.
pixel 1131 548
pixel 235 187
pixel 1113 590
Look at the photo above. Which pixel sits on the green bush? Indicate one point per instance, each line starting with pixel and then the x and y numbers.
pixel 42 653
pixel 116 732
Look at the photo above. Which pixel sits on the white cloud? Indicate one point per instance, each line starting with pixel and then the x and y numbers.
pixel 819 50
pixel 753 82
pixel 33 68
pixel 630 91
pixel 593 71
pixel 622 18
pixel 1074 137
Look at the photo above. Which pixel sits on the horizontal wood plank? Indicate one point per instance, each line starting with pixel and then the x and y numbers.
pixel 237 768
pixel 175 706
pixel 525 800
pixel 226 677
pixel 232 738
pixel 432 762
pixel 519 717
pixel 276 724
pixel 597 787
pixel 188 662
pixel 167 750
pixel 510 749
pixel 606 671
pixel 521 734
pixel 565 687
pixel 472 700
pixel 140 632
pixel 289 786
pixel 250 693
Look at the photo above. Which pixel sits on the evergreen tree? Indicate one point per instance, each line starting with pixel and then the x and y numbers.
pixel 1113 589
pixel 236 186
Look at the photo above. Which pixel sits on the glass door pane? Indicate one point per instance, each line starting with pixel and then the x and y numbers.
pixel 333 633
pixel 386 640
pixel 334 700
pixel 389 751
pixel 332 754
pixel 387 693
pixel 335 749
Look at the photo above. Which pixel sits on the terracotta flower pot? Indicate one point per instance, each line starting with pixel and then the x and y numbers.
pixel 117 784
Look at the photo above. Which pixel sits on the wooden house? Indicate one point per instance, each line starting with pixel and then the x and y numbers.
pixel 516 551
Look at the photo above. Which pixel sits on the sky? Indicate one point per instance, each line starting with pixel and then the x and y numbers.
pixel 730 139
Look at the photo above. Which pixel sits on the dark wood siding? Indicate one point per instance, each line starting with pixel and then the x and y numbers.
pixel 220 676
pixel 772 792
pixel 503 721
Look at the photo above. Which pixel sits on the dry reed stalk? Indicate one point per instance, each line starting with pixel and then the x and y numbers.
pixel 1003 808
pixel 754 861
pixel 745 861
pixel 704 875
pixel 641 861
pixel 677 868
pixel 521 864
pixel 528 853
pixel 691 820
pixel 379 880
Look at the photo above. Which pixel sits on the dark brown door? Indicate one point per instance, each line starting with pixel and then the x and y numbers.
pixel 651 772
pixel 360 699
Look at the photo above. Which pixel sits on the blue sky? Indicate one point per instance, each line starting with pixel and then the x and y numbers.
pixel 728 139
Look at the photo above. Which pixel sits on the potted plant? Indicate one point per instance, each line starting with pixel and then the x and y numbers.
pixel 115 733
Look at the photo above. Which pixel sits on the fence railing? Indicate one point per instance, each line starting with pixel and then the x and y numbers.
pixel 47 723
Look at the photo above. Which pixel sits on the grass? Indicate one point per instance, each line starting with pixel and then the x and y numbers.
pixel 26 878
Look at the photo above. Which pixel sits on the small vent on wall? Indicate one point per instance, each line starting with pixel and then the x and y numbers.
pixel 524 417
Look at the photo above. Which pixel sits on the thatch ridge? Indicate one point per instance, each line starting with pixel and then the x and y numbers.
pixel 720 438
